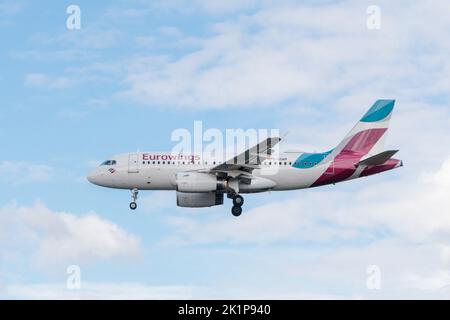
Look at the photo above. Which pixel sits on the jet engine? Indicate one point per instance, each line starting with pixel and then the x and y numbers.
pixel 198 182
pixel 198 200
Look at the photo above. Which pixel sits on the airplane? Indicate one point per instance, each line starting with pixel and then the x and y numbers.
pixel 203 182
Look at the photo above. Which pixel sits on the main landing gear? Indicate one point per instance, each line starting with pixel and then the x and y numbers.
pixel 238 201
pixel 134 195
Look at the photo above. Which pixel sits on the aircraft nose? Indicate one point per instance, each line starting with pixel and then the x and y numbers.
pixel 100 178
pixel 94 177
pixel 90 177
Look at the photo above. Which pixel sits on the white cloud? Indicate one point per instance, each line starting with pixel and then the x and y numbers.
pixel 400 224
pixel 275 222
pixel 127 290
pixel 21 172
pixel 210 7
pixel 93 37
pixel 302 53
pixel 89 290
pixel 220 7
pixel 414 209
pixel 60 238
pixel 46 81
pixel 157 200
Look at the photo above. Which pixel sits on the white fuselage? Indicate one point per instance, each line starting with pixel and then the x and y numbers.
pixel 153 171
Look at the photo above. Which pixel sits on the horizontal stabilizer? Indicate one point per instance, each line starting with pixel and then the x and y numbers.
pixel 378 158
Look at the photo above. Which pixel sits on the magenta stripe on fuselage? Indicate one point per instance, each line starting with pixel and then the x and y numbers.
pixel 343 165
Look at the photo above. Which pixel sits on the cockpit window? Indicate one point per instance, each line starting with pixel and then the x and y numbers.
pixel 109 163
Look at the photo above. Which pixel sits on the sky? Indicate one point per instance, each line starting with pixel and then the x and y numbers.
pixel 137 70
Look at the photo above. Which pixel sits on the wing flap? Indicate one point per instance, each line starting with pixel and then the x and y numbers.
pixel 251 158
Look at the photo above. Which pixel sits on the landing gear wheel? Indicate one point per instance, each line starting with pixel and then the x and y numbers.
pixel 134 196
pixel 236 211
pixel 238 200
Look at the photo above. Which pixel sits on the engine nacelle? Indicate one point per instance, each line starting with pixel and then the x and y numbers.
pixel 257 184
pixel 198 182
pixel 197 200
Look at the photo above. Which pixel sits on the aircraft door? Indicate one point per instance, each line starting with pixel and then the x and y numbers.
pixel 133 163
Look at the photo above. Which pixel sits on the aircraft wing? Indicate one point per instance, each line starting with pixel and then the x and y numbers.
pixel 250 159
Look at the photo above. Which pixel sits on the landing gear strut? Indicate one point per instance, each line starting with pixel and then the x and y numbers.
pixel 238 201
pixel 134 195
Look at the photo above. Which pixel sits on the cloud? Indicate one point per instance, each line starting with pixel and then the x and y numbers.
pixel 60 238
pixel 92 37
pixel 92 290
pixel 296 53
pixel 46 81
pixel 272 223
pixel 221 7
pixel 363 213
pixel 399 224
pixel 183 7
pixel 22 172
pixel 157 201
pixel 138 291
pixel 323 240
pixel 52 55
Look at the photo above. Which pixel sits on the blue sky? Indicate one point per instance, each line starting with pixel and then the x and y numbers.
pixel 138 70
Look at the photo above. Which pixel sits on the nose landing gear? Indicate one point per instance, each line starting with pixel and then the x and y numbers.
pixel 134 195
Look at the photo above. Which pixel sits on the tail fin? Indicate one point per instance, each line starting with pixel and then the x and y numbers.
pixel 369 134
